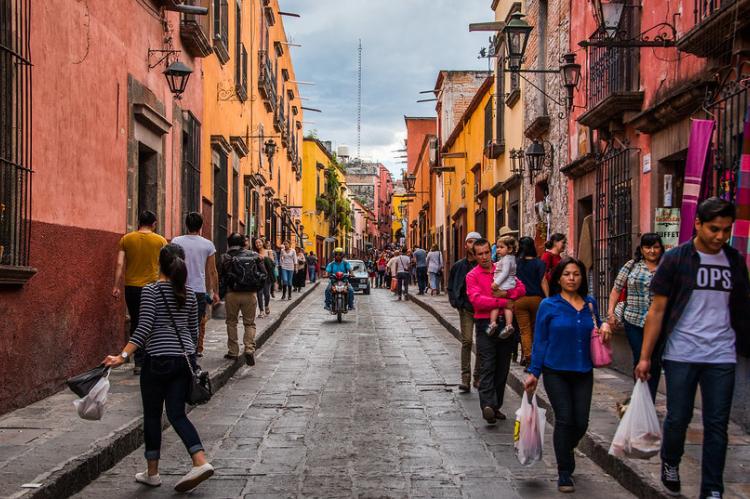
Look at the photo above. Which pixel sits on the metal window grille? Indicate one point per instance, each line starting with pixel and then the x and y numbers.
pixel 613 69
pixel 729 108
pixel 488 122
pixel 613 220
pixel 235 201
pixel 15 132
pixel 191 167
pixel 221 217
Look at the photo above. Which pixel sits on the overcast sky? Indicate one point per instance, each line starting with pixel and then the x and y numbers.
pixel 405 43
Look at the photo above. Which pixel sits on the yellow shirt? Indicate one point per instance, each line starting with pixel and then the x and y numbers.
pixel 141 257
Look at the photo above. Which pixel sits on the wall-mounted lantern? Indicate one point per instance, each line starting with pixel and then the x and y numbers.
pixel 177 75
pixel 538 156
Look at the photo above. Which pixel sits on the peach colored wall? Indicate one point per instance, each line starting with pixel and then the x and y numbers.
pixel 82 54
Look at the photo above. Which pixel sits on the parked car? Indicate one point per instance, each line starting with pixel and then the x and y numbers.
pixel 361 279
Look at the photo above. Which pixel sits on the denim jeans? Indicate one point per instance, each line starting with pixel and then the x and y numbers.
pixel 286 277
pixel 133 302
pixel 570 396
pixel 422 279
pixel 312 274
pixel 717 386
pixel 495 357
pixel 402 288
pixel 165 381
pixel 635 339
pixel 264 296
pixel 434 281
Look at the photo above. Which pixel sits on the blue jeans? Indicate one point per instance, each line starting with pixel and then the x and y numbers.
pixel 434 281
pixel 286 277
pixel 422 279
pixel 635 339
pixel 329 295
pixel 164 382
pixel 717 386
pixel 311 274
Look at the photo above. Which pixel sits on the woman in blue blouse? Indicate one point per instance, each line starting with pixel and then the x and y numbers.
pixel 562 353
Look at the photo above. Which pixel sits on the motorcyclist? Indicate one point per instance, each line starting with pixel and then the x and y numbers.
pixel 338 265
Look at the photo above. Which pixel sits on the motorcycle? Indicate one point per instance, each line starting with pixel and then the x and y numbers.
pixel 340 292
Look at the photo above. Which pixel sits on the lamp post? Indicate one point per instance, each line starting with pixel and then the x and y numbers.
pixel 538 157
pixel 516 33
pixel 608 15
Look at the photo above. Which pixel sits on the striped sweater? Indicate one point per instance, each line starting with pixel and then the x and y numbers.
pixel 155 332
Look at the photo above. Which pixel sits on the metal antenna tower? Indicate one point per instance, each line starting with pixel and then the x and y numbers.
pixel 359 99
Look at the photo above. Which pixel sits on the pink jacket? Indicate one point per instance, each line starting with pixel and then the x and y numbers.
pixel 479 291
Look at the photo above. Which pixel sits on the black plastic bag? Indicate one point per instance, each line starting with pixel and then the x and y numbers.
pixel 83 383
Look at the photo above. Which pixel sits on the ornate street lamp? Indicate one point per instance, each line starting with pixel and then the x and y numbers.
pixel 409 182
pixel 269 148
pixel 537 157
pixel 571 76
pixel 608 15
pixel 177 75
pixel 516 161
pixel 516 37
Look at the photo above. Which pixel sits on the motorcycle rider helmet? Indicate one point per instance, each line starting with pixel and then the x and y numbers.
pixel 339 275
pixel 338 250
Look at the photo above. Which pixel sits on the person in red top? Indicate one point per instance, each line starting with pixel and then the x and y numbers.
pixel 494 351
pixel 554 248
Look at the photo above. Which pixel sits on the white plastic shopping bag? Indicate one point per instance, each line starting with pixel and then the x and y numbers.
pixel 528 437
pixel 639 434
pixel 92 405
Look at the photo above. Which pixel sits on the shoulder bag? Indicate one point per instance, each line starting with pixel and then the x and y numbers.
pixel 601 352
pixel 623 298
pixel 199 391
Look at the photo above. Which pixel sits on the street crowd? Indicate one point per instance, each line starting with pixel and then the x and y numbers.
pixel 681 311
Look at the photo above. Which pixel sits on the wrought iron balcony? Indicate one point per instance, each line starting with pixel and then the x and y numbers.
pixel 716 23
pixel 613 86
pixel 195 31
pixel 266 80
pixel 279 121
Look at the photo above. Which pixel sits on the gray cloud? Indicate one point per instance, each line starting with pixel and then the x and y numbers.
pixel 405 44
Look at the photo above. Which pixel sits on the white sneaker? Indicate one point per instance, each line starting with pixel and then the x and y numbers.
pixel 507 331
pixel 260 315
pixel 150 480
pixel 194 477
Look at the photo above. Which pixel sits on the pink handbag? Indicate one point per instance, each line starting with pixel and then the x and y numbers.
pixel 601 352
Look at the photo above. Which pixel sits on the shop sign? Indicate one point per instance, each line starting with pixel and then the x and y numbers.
pixel 667 225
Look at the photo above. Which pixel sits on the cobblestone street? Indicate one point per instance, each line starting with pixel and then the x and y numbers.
pixel 367 408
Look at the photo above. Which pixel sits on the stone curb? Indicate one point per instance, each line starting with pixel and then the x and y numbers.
pixel 73 475
pixel 594 446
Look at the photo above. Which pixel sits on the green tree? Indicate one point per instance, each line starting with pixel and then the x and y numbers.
pixel 334 206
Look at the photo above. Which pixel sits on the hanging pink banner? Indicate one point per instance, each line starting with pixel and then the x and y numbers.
pixel 700 139
pixel 741 231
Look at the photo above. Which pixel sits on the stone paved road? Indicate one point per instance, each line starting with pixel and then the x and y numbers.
pixel 367 408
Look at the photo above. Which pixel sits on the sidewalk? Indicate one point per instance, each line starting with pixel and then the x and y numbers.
pixel 638 476
pixel 49 449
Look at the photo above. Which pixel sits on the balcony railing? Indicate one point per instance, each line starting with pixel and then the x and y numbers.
pixel 195 31
pixel 241 73
pixel 613 86
pixel 716 23
pixel 266 80
pixel 280 121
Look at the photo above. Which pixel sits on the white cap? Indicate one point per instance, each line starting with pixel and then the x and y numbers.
pixel 473 235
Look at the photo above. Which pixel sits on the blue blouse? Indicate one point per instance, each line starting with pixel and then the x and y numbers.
pixel 562 336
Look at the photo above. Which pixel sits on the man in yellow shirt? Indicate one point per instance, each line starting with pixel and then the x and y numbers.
pixel 138 252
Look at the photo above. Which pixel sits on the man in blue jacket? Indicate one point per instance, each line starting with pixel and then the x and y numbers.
pixel 698 322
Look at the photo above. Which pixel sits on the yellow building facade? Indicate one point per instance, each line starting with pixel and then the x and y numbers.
pixel 315 160
pixel 251 140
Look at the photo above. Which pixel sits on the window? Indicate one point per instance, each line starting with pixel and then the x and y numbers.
pixel 499 107
pixel 191 168
pixel 488 122
pixel 235 200
pixel 15 138
pixel 220 168
pixel 499 211
pixel 221 30
pixel 240 68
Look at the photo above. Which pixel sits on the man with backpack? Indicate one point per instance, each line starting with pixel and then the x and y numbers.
pixel 242 274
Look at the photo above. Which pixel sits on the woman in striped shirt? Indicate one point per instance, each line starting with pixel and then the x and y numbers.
pixel 166 376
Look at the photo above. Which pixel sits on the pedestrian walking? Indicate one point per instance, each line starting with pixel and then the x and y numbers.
pixel 495 351
pixel 460 301
pixel 634 279
pixel 371 270
pixel 563 325
pixel 402 268
pixel 312 266
pixel 531 270
pixel 504 278
pixel 434 268
pixel 241 275
pixel 552 255
pixel 288 265
pixel 393 270
pixel 138 253
pixel 167 332
pixel 271 253
pixel 203 278
pixel 382 263
pixel 420 263
pixel 300 274
pixel 264 294
pixel 698 323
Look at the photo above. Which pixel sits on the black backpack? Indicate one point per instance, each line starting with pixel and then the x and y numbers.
pixel 246 273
